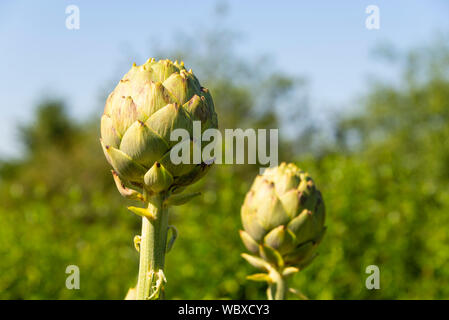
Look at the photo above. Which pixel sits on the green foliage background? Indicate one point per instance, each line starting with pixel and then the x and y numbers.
pixel 384 175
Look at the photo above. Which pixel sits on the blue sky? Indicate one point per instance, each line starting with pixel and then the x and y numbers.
pixel 326 41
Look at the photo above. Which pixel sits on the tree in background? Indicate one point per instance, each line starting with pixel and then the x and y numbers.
pixel 386 188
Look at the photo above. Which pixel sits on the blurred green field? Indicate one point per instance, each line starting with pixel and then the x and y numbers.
pixel 384 176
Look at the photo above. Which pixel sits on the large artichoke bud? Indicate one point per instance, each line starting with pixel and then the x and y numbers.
pixel 147 106
pixel 283 219
pixel 149 103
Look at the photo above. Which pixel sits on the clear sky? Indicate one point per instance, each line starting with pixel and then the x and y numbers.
pixel 326 41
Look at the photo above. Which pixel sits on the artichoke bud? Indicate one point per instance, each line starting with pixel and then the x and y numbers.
pixel 283 218
pixel 158 179
pixel 147 105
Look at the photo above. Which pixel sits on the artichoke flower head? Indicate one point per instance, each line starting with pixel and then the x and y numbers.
pixel 283 219
pixel 147 105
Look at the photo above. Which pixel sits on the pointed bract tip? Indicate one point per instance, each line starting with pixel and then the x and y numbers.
pixel 183 74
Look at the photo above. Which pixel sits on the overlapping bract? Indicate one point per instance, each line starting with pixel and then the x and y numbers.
pixel 149 103
pixel 283 217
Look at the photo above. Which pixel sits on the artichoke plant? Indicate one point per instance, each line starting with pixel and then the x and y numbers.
pixel 147 105
pixel 283 219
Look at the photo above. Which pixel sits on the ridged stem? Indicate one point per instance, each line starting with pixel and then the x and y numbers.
pixel 153 243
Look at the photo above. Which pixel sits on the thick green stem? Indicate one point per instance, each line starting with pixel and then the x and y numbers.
pixel 153 243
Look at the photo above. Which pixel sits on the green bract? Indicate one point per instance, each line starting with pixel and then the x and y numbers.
pixel 283 218
pixel 149 103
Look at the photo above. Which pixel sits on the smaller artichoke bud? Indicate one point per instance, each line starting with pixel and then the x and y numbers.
pixel 283 219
